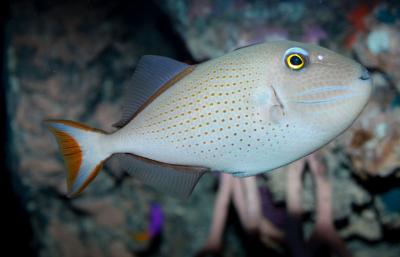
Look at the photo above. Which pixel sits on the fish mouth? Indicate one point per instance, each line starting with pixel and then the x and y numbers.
pixel 364 74
pixel 313 96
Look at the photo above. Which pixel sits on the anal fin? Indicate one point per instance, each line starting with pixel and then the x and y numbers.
pixel 178 180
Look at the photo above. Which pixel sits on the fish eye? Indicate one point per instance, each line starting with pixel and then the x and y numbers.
pixel 295 58
pixel 295 61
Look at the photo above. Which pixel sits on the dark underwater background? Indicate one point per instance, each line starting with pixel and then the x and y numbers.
pixel 72 60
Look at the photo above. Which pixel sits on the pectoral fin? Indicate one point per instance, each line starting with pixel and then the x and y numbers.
pixel 176 179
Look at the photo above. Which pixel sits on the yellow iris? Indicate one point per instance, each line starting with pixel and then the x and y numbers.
pixel 295 61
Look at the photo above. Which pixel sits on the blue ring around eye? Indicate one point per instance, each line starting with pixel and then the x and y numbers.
pixel 294 50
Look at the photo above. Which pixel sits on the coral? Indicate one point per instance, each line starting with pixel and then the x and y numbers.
pixel 379 49
pixel 247 201
pixel 378 41
pixel 246 198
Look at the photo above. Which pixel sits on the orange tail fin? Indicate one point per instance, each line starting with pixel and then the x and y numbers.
pixel 83 157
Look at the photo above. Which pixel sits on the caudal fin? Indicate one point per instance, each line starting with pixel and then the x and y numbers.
pixel 82 153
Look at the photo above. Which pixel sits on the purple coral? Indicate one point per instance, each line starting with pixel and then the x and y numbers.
pixel 156 220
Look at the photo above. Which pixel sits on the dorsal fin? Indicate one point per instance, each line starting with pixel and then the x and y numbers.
pixel 241 47
pixel 151 74
pixel 179 180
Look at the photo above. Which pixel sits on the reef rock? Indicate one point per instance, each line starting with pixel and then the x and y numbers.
pixel 212 28
pixel 64 65
pixel 72 60
pixel 379 49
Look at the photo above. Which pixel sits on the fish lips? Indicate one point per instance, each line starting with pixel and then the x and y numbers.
pixel 364 74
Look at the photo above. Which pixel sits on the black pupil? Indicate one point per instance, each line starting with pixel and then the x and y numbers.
pixel 295 60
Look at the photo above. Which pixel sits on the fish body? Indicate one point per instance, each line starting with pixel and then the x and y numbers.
pixel 252 110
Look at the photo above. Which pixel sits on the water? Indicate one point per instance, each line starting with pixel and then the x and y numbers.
pixel 73 59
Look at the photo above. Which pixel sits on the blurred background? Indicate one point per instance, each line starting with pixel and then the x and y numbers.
pixel 72 60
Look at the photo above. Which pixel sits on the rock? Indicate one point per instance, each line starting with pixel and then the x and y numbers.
pixel 360 249
pixel 380 48
pixel 117 249
pixel 212 28
pixel 276 183
pixel 71 242
pixel 343 187
pixel 350 193
pixel 64 65
pixel 378 41
pixel 104 211
pixel 73 60
pixel 365 226
pixel 375 135
pixel 72 245
pixel 388 209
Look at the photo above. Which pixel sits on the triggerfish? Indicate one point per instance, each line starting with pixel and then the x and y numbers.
pixel 247 112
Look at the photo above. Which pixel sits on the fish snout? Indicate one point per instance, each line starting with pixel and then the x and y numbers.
pixel 364 74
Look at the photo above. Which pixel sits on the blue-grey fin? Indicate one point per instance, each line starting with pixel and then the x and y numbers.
pixel 152 72
pixel 178 180
pixel 241 174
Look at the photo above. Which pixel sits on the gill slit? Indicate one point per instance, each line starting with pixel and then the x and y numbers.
pixel 279 100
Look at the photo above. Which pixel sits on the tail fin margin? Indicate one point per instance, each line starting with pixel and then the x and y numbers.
pixel 83 158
